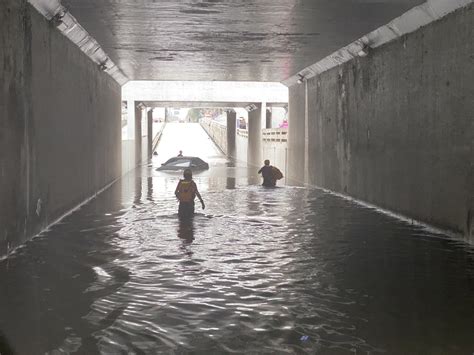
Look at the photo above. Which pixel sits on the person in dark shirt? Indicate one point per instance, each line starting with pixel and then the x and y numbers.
pixel 267 174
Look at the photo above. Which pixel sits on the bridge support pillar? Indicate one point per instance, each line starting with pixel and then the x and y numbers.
pixel 268 118
pixel 138 133
pixel 131 120
pixel 231 125
pixel 150 133
pixel 254 151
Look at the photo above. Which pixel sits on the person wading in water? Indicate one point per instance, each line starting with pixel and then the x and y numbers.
pixel 186 192
pixel 270 174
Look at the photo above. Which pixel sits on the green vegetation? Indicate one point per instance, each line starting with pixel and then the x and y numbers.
pixel 194 114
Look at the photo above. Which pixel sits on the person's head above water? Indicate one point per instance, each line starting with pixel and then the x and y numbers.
pixel 267 162
pixel 188 174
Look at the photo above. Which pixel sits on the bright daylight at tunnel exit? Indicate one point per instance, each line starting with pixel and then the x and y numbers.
pixel 248 177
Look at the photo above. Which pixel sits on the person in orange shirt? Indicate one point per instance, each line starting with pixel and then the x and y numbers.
pixel 186 193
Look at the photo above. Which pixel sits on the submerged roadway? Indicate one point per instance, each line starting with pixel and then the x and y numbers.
pixel 285 270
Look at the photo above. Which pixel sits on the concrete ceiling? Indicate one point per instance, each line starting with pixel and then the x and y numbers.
pixel 262 40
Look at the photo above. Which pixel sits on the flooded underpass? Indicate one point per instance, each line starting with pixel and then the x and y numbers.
pixel 285 270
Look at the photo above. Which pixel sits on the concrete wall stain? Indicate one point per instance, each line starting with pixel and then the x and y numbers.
pixel 395 128
pixel 59 125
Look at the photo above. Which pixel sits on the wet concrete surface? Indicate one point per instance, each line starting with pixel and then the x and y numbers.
pixel 257 271
pixel 43 174
pixel 265 40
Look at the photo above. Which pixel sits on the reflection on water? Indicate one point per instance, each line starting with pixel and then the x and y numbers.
pixel 230 183
pixel 286 270
pixel 186 230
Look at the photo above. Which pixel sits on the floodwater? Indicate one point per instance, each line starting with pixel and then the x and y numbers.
pixel 276 271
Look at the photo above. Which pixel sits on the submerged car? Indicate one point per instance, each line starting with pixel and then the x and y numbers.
pixel 181 163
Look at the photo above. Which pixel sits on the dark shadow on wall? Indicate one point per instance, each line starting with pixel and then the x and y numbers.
pixel 5 348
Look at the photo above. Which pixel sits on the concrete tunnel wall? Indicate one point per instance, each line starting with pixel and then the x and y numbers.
pixel 396 128
pixel 296 134
pixel 60 135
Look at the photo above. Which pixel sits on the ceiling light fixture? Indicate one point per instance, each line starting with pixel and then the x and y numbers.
pixel 103 65
pixel 57 19
pixel 251 107
pixel 364 51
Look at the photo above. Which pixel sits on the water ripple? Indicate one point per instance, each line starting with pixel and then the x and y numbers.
pixel 285 271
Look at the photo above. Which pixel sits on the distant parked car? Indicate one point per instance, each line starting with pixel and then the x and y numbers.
pixel 181 163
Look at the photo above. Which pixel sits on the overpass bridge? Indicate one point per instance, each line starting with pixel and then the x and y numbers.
pixel 255 97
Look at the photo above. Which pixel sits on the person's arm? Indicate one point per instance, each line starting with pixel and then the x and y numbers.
pixel 176 192
pixel 199 197
pixel 260 171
